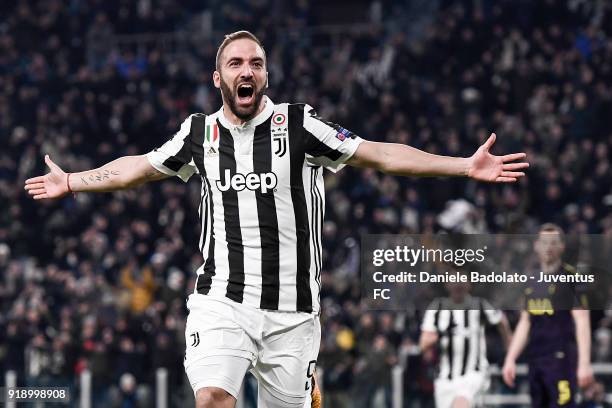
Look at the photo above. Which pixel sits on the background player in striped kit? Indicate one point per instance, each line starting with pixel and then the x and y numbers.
pixel 457 325
pixel 556 328
pixel 256 301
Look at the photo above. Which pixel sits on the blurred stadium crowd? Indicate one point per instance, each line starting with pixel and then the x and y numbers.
pixel 99 281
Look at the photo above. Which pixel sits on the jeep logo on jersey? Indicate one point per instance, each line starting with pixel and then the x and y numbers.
pixel 252 181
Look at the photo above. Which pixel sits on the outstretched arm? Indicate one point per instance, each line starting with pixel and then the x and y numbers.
pixel 405 160
pixel 124 172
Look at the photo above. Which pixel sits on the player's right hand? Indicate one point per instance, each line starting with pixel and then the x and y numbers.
pixel 509 373
pixel 52 185
pixel 585 375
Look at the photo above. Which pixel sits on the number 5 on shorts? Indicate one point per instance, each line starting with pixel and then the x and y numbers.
pixel 565 393
pixel 309 373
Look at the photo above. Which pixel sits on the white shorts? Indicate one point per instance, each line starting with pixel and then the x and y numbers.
pixel 470 386
pixel 225 339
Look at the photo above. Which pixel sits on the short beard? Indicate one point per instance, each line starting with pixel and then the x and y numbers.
pixel 230 97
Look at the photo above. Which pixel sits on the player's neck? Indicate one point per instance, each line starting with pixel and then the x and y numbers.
pixel 235 120
pixel 550 267
pixel 458 300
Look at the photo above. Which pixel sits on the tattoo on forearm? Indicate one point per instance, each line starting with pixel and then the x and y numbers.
pixel 84 181
pixel 102 175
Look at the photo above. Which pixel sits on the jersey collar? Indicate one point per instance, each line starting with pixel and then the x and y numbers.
pixel 257 120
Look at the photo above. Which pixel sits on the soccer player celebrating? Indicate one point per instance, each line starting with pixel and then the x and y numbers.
pixel 551 326
pixel 457 324
pixel 256 301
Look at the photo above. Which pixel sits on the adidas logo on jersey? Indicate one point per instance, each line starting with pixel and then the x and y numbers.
pixel 211 152
pixel 252 181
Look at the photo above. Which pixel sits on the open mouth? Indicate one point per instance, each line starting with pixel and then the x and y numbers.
pixel 245 93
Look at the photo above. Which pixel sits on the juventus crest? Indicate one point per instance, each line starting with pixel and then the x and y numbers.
pixel 279 141
pixel 280 134
pixel 196 339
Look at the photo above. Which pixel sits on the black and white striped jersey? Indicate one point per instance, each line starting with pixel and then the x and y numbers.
pixel 262 200
pixel 462 341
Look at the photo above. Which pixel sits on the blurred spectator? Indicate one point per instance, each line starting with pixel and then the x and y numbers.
pixel 373 373
pixel 594 396
pixel 141 289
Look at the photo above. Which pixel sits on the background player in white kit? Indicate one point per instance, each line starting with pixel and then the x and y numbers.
pixel 457 325
pixel 256 300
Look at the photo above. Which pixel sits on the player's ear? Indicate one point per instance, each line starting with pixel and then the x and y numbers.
pixel 267 81
pixel 217 79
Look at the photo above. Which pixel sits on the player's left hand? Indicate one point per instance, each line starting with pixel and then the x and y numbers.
pixel 585 375
pixel 498 169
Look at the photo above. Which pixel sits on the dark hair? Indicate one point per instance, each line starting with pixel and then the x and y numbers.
pixel 233 37
pixel 550 227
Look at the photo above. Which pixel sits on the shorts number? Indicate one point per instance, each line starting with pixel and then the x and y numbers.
pixel 565 393
pixel 309 373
